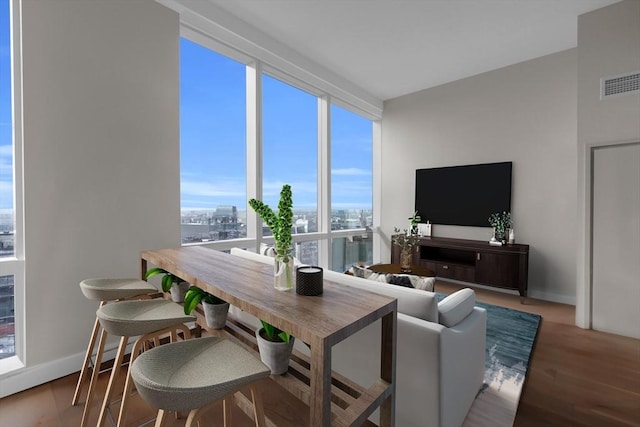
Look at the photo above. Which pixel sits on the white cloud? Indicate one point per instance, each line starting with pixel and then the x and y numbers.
pixel 350 172
pixel 6 151
pixel 219 189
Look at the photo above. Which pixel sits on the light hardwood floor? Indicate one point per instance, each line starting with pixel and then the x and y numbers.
pixel 576 377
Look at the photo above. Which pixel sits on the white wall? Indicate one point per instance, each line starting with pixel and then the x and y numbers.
pixel 101 169
pixel 608 44
pixel 525 113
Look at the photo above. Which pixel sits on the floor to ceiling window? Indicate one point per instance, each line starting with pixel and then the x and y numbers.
pixel 351 187
pixel 217 106
pixel 290 156
pixel 213 192
pixel 10 266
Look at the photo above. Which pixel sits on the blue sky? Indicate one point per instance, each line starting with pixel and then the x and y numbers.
pixel 6 150
pixel 212 133
pixel 213 139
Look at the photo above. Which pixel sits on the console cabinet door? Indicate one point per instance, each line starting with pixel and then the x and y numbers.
pixel 497 269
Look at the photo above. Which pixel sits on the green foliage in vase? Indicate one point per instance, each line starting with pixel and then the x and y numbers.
pixel 500 221
pixel 280 224
pixel 409 236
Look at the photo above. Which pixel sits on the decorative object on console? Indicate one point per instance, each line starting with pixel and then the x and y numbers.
pixel 512 236
pixel 407 241
pixel 309 280
pixel 424 230
pixel 500 222
pixel 280 226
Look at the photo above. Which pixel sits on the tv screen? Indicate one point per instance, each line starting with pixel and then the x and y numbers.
pixel 463 195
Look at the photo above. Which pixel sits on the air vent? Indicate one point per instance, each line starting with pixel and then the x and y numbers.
pixel 623 84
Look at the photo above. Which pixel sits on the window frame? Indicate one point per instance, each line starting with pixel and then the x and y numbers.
pixel 254 170
pixel 15 265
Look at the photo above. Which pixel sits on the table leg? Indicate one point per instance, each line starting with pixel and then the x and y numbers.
pixel 388 367
pixel 320 384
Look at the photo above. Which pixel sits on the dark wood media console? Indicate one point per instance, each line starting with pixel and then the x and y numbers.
pixel 474 261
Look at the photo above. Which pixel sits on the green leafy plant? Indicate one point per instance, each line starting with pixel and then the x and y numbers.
pixel 409 236
pixel 195 295
pixel 413 223
pixel 167 280
pixel 274 334
pixel 280 224
pixel 500 222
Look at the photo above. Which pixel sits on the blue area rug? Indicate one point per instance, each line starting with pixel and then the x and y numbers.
pixel 511 336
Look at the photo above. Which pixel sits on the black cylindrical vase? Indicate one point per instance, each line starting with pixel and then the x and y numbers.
pixel 309 280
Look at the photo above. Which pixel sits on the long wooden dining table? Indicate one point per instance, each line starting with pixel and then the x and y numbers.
pixel 319 321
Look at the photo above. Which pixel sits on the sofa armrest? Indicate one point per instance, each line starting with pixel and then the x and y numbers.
pixel 462 357
pixel 417 361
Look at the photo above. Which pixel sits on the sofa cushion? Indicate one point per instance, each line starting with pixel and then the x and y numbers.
pixel 412 281
pixel 412 302
pixel 456 307
pixel 400 280
pixel 362 272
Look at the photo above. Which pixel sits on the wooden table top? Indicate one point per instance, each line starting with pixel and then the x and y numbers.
pixel 335 314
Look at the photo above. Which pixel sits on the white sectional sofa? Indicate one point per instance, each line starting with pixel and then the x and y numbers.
pixel 440 350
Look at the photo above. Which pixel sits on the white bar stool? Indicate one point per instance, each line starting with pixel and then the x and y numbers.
pixel 104 290
pixel 147 319
pixel 192 375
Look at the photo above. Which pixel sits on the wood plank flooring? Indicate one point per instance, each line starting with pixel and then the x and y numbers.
pixel 577 378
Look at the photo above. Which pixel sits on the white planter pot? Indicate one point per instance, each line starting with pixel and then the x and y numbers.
pixel 215 314
pixel 178 290
pixel 275 355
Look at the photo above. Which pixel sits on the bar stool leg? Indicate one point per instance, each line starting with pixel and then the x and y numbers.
pixel 226 410
pixel 161 417
pixel 135 352
pixel 122 349
pixel 258 407
pixel 87 360
pixel 94 379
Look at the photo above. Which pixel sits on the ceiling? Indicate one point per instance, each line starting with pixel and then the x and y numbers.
pixel 390 48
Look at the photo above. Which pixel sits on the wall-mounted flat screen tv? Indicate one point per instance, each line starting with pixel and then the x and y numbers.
pixel 463 195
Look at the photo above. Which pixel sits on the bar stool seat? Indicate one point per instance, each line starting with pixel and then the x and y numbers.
pixel 112 289
pixel 190 375
pixel 149 319
pixel 132 318
pixel 107 289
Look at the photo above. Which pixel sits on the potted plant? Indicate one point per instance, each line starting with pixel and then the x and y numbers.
pixel 500 222
pixel 275 347
pixel 280 226
pixel 170 283
pixel 215 309
pixel 406 241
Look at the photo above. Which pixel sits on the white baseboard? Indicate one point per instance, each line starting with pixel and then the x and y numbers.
pixel 545 296
pixel 28 377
